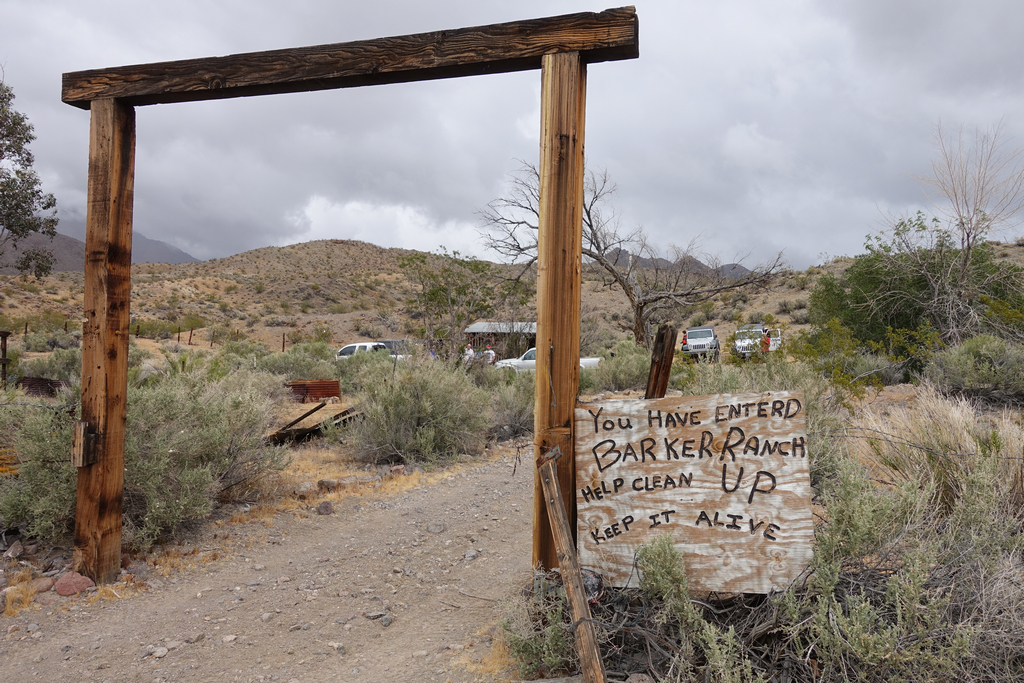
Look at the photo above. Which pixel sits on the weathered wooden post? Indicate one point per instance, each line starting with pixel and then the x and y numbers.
pixel 108 257
pixel 662 355
pixel 559 261
pixel 4 360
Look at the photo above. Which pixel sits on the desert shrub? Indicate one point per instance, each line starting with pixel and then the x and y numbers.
pixel 756 317
pixel 485 375
pixel 42 495
pixel 698 319
pixel 537 633
pixel 800 317
pixel 188 441
pixel 352 371
pixel 62 364
pixel 371 331
pixel 302 361
pixel 48 341
pixel 513 407
pixel 419 410
pixel 979 365
pixel 627 367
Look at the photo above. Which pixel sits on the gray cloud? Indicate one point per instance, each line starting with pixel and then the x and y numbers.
pixel 759 126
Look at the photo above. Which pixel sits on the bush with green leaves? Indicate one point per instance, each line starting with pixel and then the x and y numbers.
pixel 62 364
pixel 419 410
pixel 979 366
pixel 538 633
pixel 513 407
pixel 189 440
pixel 627 366
pixel 313 360
pixel 41 342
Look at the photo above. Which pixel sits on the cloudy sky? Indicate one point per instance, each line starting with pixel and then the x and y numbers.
pixel 753 125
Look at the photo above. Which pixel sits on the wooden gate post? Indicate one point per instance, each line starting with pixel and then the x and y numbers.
pixel 108 257
pixel 559 261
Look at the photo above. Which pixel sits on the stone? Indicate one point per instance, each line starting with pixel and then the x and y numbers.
pixel 160 652
pixel 436 528
pixel 229 638
pixel 386 620
pixel 328 485
pixel 73 583
pixel 338 647
pixel 15 551
pixel 397 470
pixel 325 508
pixel 375 615
pixel 40 585
pixel 471 555
pixel 267 616
pixel 639 678
pixel 173 644
pixel 306 490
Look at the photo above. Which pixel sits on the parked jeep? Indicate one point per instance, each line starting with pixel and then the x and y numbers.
pixel 751 338
pixel 701 341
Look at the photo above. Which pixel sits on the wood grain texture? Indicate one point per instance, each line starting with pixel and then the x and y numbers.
pixel 559 263
pixel 662 355
pixel 572 578
pixel 685 475
pixel 497 48
pixel 108 253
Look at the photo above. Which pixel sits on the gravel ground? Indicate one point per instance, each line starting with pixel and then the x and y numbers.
pixel 387 588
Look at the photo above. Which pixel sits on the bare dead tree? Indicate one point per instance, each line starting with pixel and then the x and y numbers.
pixel 654 285
pixel 934 265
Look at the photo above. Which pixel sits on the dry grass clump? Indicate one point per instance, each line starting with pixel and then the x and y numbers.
pixel 19 594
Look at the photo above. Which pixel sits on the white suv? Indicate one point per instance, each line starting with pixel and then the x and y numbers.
pixel 346 351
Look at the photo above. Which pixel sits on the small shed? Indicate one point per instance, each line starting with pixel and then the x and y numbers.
pixel 508 338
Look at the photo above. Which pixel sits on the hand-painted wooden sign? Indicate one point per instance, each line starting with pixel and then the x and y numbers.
pixel 726 475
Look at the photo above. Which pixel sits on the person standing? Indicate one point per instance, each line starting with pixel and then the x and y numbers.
pixel 489 355
pixel 468 354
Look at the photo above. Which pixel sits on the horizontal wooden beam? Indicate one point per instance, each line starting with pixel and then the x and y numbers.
pixel 497 48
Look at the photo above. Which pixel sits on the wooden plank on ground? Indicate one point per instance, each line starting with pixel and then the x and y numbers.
pixel 559 263
pixel 108 257
pixel 726 475
pixel 586 636
pixel 497 48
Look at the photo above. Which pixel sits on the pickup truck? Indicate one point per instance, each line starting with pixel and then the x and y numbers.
pixel 750 338
pixel 528 362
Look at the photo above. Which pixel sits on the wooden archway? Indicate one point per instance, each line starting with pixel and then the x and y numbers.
pixel 561 47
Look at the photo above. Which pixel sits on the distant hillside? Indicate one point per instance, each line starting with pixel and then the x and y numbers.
pixel 68 253
pixel 146 250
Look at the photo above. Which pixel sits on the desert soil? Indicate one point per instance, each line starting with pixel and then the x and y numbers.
pixel 395 586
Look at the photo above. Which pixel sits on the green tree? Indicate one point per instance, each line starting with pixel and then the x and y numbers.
pixel 452 291
pixel 942 270
pixel 25 209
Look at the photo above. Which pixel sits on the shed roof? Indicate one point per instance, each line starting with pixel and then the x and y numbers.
pixel 481 327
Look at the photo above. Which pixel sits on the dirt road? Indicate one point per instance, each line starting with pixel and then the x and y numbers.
pixel 387 588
